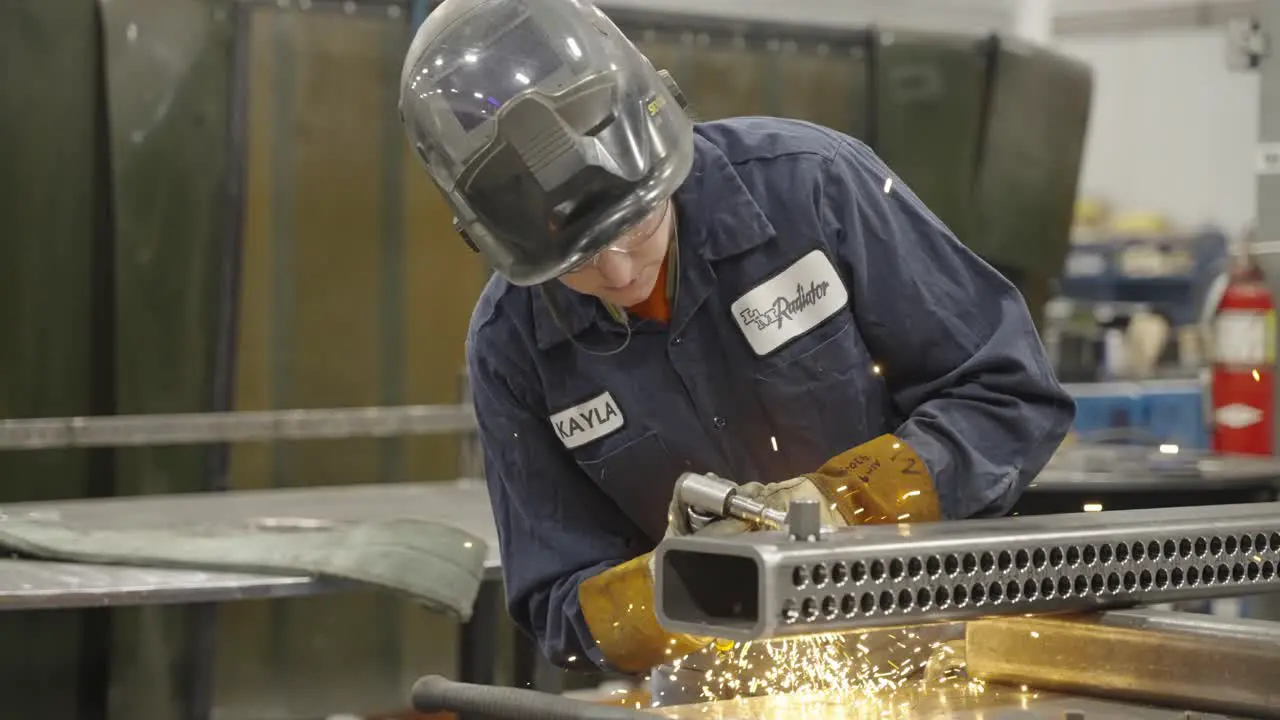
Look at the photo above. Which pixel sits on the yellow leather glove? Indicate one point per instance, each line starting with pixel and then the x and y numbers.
pixel 879 481
pixel 618 607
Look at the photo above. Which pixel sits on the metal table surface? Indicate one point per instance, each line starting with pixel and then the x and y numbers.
pixel 30 584
pixel 1121 468
pixel 992 702
pixel 41 585
pixel 27 584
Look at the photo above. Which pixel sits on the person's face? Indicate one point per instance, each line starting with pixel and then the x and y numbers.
pixel 625 272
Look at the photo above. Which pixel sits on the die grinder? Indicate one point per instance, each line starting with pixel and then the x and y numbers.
pixel 707 498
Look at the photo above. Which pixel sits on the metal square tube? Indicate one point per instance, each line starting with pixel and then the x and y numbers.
pixel 765 585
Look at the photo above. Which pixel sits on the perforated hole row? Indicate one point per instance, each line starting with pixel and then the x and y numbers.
pixel 1056 558
pixel 978 595
pixel 988 579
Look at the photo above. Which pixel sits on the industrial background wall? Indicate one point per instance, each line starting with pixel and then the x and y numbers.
pixel 1197 166
pixel 259 236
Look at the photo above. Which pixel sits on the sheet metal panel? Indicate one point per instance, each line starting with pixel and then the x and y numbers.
pixel 30 584
pixel 253 666
pixel 461 503
pixel 42 585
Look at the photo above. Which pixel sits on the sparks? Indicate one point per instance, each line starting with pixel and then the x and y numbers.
pixel 814 664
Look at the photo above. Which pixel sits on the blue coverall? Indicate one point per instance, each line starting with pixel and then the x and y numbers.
pixel 820 304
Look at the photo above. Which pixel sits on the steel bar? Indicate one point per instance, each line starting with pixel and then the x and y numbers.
pixel 434 694
pixel 219 427
pixel 764 585
pixel 1181 660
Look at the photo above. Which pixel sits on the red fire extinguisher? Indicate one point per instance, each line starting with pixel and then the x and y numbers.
pixel 1242 379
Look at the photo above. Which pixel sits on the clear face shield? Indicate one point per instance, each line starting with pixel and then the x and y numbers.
pixel 548 132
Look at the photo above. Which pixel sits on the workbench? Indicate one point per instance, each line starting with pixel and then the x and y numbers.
pixel 1126 477
pixel 27 584
pixel 33 585
pixel 991 703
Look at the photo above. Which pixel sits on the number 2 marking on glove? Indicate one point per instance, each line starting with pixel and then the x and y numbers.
pixel 910 462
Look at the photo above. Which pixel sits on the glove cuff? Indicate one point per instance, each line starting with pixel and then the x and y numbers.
pixel 618 607
pixel 880 481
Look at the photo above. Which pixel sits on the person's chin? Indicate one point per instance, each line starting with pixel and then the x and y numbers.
pixel 629 295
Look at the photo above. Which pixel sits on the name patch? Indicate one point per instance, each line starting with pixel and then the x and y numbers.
pixel 588 421
pixel 791 303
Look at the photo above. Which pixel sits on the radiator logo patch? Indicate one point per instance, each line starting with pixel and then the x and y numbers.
pixel 790 303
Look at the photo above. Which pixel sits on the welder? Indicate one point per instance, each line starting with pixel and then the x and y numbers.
pixel 758 298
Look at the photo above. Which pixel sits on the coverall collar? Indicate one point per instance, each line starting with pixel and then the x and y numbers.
pixel 718 220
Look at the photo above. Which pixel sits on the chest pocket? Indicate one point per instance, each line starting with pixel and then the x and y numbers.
pixel 639 475
pixel 825 399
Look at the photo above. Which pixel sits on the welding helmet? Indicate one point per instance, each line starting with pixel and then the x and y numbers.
pixel 547 131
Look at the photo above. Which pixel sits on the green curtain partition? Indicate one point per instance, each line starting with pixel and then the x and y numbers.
pixel 929 100
pixel 1030 165
pixel 168 80
pixel 53 231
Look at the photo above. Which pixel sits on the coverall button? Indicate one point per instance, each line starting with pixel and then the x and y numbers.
pixel 677 340
pixel 718 421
